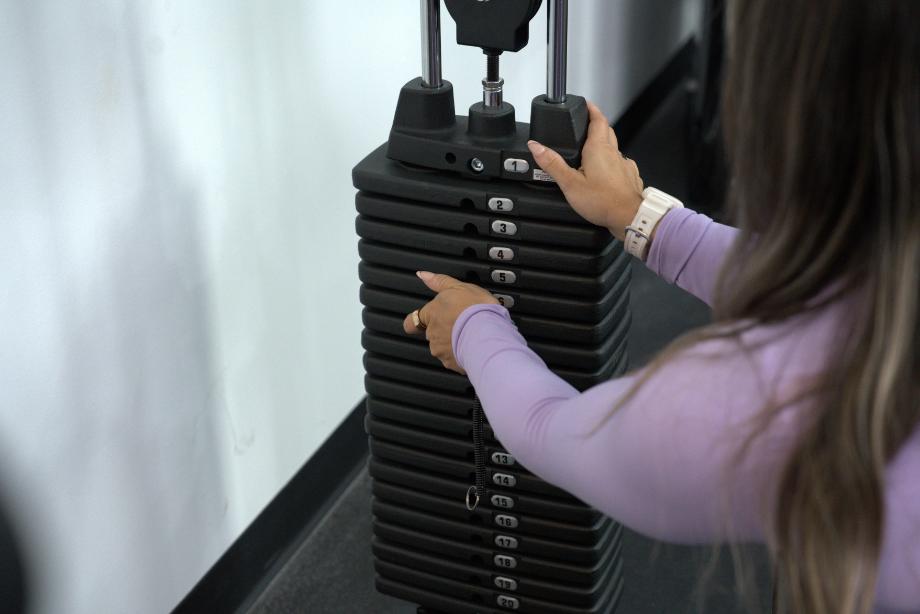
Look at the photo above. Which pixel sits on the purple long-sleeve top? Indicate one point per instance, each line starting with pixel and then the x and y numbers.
pixel 667 462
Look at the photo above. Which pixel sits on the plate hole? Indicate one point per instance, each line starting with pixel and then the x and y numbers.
pixel 476 559
pixel 467 203
pixel 469 253
pixel 451 158
pixel 470 229
pixel 474 580
pixel 472 277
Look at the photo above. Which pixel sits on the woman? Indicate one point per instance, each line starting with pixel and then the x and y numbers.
pixel 794 418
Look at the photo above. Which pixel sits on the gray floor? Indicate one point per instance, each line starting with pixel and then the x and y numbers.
pixel 332 571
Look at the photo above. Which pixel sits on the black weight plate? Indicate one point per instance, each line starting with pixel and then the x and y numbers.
pixel 583 596
pixel 498 251
pixel 520 503
pixel 401 349
pixel 532 327
pixel 493 558
pixel 509 481
pixel 403 211
pixel 451 507
pixel 517 302
pixel 440 378
pixel 454 404
pixel 524 545
pixel 378 174
pixel 412 373
pixel 477 593
pixel 554 354
pixel 503 276
pixel 427 440
pixel 441 604
pixel 432 418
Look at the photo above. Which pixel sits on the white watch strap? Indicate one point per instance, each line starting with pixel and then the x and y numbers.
pixel 639 233
pixel 655 204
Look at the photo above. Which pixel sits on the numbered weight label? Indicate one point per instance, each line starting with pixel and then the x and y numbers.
pixel 502 458
pixel 501 204
pixel 506 541
pixel 504 300
pixel 504 479
pixel 516 165
pixel 501 276
pixel 504 227
pixel 505 254
pixel 504 561
pixel 502 501
pixel 505 583
pixel 506 522
pixel 507 602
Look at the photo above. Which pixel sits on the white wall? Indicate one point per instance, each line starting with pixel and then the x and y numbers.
pixel 179 326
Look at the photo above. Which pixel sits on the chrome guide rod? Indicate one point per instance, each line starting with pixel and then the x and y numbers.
pixel 431 43
pixel 557 31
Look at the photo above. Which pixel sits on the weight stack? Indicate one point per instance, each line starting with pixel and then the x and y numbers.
pixel 528 546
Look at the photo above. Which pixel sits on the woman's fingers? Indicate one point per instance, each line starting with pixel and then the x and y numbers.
pixel 554 164
pixel 599 133
pixel 409 324
pixel 410 327
pixel 437 318
pixel 437 281
pixel 597 116
pixel 598 126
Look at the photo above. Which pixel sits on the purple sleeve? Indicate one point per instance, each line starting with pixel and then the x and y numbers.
pixel 689 250
pixel 655 464
pixel 674 459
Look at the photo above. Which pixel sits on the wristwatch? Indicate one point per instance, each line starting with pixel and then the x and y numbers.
pixel 655 204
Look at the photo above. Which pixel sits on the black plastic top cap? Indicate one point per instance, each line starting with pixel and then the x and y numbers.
pixel 496 25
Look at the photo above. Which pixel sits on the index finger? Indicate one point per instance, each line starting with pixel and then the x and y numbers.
pixel 438 282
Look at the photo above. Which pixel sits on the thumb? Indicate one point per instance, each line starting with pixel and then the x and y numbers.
pixel 551 162
pixel 436 281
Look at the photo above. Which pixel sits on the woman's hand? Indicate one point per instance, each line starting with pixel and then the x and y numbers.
pixel 607 189
pixel 437 317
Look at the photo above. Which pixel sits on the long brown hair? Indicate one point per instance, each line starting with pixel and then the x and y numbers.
pixel 822 120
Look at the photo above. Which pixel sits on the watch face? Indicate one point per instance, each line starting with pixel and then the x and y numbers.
pixel 665 200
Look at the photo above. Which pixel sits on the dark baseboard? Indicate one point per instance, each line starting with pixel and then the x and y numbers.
pixel 240 575
pixel 249 564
